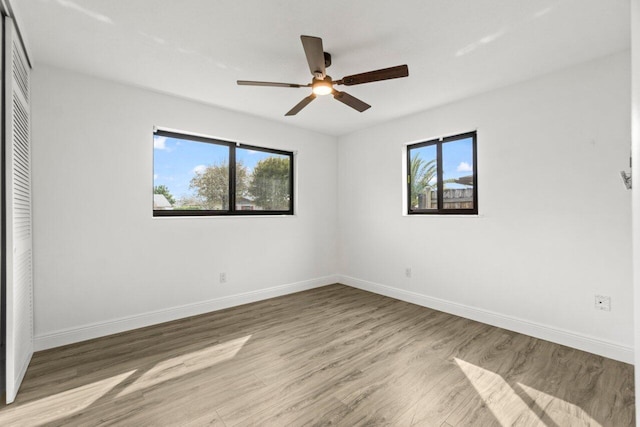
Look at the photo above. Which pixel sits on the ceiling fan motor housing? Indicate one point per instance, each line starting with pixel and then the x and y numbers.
pixel 327 60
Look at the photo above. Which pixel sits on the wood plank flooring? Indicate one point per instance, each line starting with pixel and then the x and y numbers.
pixel 330 356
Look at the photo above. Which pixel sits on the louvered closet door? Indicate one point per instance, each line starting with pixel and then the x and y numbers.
pixel 18 250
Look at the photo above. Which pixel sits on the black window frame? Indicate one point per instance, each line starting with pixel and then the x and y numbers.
pixel 440 189
pixel 231 211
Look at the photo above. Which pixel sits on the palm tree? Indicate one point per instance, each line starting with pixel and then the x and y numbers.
pixel 422 175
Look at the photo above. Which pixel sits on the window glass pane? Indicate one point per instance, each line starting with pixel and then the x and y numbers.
pixel 457 174
pixel 262 180
pixel 424 177
pixel 189 175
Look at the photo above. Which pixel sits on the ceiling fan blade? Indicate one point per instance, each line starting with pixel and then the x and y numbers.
pixel 374 76
pixel 300 105
pixel 351 101
pixel 274 84
pixel 315 55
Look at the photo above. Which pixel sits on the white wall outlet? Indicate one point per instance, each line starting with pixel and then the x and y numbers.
pixel 407 272
pixel 223 277
pixel 603 302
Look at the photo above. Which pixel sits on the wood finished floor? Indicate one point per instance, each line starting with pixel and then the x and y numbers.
pixel 329 356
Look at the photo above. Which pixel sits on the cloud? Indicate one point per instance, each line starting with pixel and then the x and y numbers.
pixel 159 143
pixel 155 176
pixel 199 169
pixel 464 167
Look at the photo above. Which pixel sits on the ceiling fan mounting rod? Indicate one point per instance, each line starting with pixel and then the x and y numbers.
pixel 319 74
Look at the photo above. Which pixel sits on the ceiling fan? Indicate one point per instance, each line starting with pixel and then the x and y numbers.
pixel 322 84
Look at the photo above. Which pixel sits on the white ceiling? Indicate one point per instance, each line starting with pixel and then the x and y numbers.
pixel 197 49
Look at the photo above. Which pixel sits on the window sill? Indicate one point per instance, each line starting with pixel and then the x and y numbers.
pixel 191 217
pixel 476 216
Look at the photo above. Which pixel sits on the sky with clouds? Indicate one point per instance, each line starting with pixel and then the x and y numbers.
pixel 457 159
pixel 176 161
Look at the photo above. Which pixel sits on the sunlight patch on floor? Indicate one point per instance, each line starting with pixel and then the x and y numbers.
pixel 60 405
pixel 186 363
pixel 561 412
pixel 499 397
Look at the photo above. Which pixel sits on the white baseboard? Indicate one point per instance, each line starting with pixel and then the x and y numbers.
pixel 100 329
pixel 537 330
pixel 545 332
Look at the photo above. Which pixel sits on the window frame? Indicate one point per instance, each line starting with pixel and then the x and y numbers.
pixel 438 142
pixel 232 210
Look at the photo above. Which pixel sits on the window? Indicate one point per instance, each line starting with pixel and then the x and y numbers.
pixel 442 176
pixel 193 175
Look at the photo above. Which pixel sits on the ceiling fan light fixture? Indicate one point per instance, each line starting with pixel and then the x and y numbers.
pixel 322 87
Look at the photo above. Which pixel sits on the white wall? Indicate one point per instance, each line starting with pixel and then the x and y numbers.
pixel 555 220
pixel 104 264
pixel 554 227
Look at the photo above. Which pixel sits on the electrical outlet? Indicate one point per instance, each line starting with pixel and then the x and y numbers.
pixel 603 302
pixel 223 277
pixel 407 272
